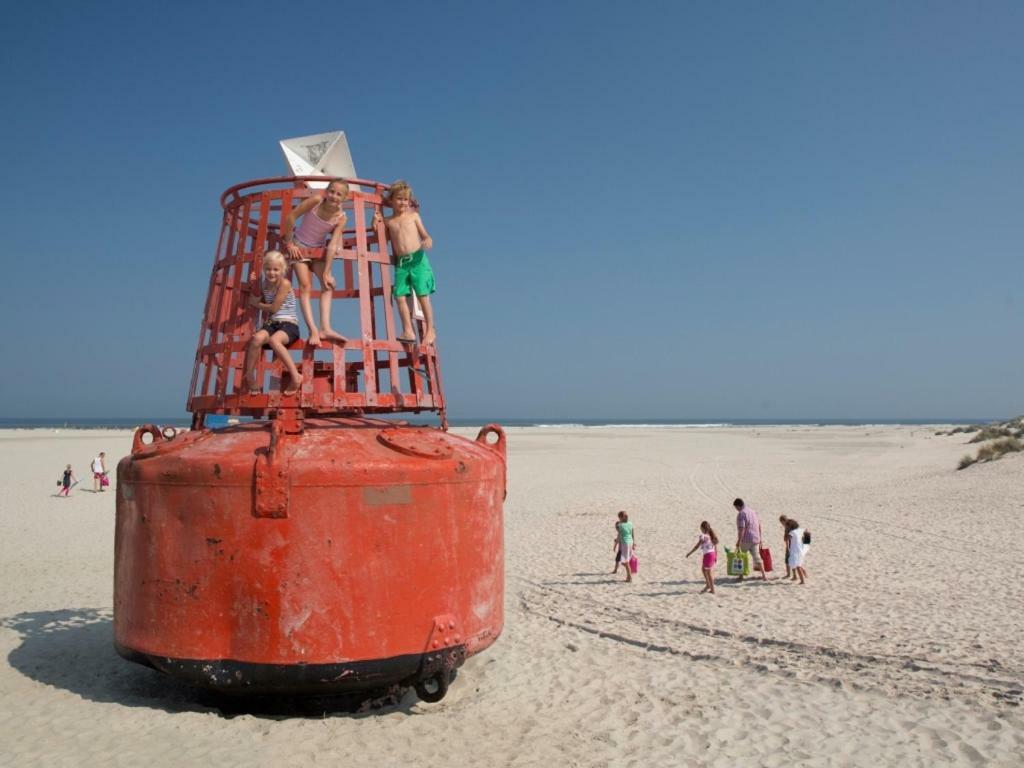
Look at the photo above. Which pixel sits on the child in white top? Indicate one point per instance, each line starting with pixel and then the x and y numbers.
pixel 275 298
pixel 99 471
pixel 796 550
pixel 708 543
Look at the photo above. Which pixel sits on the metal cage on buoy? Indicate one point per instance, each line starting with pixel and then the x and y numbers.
pixel 371 373
pixel 317 548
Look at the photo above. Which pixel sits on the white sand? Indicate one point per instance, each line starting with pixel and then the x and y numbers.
pixel 903 648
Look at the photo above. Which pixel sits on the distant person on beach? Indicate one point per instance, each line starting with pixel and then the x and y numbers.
pixel 322 218
pixel 708 543
pixel 99 472
pixel 413 274
pixel 797 550
pixel 748 535
pixel 66 482
pixel 627 542
pixel 275 298
pixel 785 543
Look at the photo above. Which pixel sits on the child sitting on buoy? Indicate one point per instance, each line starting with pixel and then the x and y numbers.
pixel 276 300
pixel 409 244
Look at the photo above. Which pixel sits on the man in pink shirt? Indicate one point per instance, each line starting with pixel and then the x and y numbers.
pixel 748 535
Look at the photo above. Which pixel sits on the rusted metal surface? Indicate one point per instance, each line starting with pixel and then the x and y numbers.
pixel 380 556
pixel 313 549
pixel 351 382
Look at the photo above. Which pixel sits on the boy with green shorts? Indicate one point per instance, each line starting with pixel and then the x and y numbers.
pixel 409 244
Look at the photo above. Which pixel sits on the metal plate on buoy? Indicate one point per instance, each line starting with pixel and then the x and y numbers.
pixel 415 442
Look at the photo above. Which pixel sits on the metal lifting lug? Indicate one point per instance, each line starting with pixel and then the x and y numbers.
pixel 272 483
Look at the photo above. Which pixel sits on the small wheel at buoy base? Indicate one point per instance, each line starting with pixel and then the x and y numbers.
pixel 433 689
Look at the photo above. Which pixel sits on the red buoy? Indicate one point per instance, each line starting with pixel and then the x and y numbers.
pixel 316 548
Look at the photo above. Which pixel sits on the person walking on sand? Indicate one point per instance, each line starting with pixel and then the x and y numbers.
pixel 99 472
pixel 627 542
pixel 748 535
pixel 708 543
pixel 797 550
pixel 66 482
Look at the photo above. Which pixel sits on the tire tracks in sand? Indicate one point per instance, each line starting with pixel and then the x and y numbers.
pixel 890 674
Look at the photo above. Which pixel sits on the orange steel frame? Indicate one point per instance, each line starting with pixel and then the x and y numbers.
pixel 253 213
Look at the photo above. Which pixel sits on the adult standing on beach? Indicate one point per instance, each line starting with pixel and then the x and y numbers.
pixel 748 535
pixel 626 542
pixel 99 471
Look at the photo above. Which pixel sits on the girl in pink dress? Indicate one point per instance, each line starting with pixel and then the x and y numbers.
pixel 708 543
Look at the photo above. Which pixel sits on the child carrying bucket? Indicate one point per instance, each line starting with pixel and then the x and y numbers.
pixel 627 545
pixel 708 543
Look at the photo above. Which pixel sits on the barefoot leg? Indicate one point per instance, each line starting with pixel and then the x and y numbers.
pixel 252 353
pixel 430 333
pixel 277 343
pixel 326 299
pixel 305 280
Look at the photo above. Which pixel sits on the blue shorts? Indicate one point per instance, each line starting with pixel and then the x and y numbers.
pixel 274 326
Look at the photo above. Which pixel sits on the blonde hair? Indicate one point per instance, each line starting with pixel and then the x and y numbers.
pixel 343 183
pixel 397 186
pixel 275 256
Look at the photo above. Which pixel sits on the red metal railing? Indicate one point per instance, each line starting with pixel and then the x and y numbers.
pixel 370 373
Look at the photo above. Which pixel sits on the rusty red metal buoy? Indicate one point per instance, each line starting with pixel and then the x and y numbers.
pixel 318 548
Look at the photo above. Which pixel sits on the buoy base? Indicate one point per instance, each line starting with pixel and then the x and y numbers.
pixel 240 677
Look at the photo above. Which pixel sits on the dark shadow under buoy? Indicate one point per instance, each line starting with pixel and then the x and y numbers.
pixel 73 649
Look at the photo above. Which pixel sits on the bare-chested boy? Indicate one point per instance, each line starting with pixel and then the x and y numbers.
pixel 409 243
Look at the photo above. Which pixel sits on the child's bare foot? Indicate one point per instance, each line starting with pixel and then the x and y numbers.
pixel 704 590
pixel 332 335
pixel 430 336
pixel 293 387
pixel 314 338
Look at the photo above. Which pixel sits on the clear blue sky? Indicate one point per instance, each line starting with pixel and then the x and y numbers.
pixel 642 210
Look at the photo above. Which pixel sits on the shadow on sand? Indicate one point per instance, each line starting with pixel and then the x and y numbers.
pixel 73 649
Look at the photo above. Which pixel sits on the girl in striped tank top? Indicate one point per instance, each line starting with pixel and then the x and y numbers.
pixel 276 300
pixel 321 223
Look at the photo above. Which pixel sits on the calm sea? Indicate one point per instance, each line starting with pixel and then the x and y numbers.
pixel 184 421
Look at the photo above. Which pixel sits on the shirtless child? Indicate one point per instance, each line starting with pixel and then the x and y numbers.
pixel 409 243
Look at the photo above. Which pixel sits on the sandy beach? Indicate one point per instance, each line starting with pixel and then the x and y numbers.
pixel 902 649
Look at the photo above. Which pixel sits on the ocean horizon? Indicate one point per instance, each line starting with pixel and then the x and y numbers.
pixel 638 423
